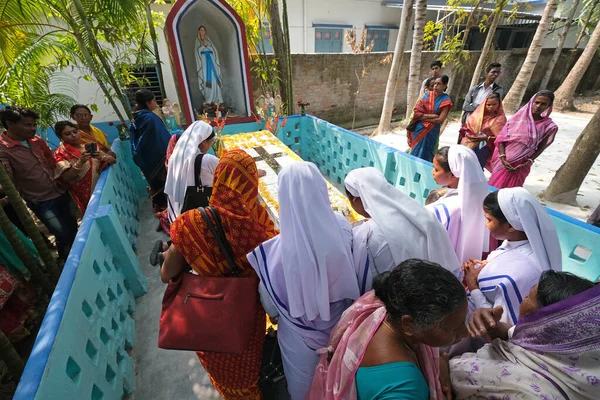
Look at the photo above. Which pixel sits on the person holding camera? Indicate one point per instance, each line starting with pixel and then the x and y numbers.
pixel 30 165
pixel 78 166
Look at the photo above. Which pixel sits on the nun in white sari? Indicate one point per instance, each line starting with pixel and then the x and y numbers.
pixel 459 210
pixel 306 272
pixel 197 139
pixel 399 228
pixel 530 247
pixel 208 68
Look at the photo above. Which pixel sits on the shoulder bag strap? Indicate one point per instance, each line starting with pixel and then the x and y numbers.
pixel 198 171
pixel 224 250
pixel 220 230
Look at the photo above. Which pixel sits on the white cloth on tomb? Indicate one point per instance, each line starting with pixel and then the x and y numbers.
pixel 180 173
pixel 409 230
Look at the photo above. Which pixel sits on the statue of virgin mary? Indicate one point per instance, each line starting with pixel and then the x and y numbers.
pixel 208 68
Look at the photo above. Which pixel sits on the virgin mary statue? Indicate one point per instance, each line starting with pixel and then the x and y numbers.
pixel 208 68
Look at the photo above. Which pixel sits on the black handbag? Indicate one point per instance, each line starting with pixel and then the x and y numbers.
pixel 272 380
pixel 198 195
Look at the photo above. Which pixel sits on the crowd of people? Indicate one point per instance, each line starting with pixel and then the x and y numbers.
pixel 364 311
pixel 507 148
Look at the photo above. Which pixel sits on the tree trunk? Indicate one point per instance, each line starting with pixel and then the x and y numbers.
pixel 581 35
pixel 564 186
pixel 98 53
pixel 566 91
pixel 513 99
pixel 30 263
pixel 385 122
pixel 561 42
pixel 489 39
pixel 414 75
pixel 150 22
pixel 30 227
pixel 11 358
pixel 465 35
pixel 288 54
pixel 279 48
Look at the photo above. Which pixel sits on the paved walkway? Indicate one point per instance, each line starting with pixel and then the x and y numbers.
pixel 161 374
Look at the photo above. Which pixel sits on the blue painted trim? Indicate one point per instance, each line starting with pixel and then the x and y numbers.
pixel 571 220
pixel 381 27
pixel 375 143
pixel 334 26
pixel 36 365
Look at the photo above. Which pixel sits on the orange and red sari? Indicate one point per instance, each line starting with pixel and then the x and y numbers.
pixel 81 190
pixel 246 225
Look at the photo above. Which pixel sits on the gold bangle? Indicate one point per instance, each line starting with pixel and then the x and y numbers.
pixel 502 156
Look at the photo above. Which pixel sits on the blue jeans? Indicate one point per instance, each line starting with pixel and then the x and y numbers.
pixel 56 215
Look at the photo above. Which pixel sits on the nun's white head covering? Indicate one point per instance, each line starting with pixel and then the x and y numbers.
pixel 401 219
pixel 474 237
pixel 180 173
pixel 524 213
pixel 315 251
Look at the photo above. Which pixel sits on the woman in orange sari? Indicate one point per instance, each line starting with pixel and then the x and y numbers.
pixel 481 128
pixel 77 169
pixel 246 225
pixel 82 115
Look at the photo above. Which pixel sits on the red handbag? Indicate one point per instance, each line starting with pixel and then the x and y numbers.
pixel 211 314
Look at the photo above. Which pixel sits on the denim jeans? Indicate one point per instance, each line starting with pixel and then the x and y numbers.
pixel 56 215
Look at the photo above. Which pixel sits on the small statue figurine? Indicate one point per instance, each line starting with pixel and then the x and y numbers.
pixel 270 103
pixel 169 115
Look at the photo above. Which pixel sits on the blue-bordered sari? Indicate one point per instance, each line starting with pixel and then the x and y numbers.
pixel 423 140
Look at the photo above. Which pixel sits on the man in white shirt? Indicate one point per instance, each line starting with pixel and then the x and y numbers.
pixel 479 93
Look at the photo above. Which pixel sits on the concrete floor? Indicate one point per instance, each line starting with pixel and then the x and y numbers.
pixel 161 374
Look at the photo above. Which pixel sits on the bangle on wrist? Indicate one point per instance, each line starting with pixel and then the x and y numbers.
pixel 502 156
pixel 530 160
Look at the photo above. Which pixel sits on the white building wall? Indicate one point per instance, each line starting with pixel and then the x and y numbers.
pixel 303 14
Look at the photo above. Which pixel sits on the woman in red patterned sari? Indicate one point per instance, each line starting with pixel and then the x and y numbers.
pixel 77 169
pixel 246 225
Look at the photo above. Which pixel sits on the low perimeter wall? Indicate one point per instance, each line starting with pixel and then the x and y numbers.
pixel 337 151
pixel 81 351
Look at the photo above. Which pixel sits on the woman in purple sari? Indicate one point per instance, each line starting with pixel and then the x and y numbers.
pixel 524 137
pixel 552 352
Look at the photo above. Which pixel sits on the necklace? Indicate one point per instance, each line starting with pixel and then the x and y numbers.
pixel 387 325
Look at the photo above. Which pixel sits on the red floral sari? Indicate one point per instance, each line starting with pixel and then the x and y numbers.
pixel 66 156
pixel 246 225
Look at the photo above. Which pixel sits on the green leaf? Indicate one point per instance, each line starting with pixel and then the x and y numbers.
pixel 87 78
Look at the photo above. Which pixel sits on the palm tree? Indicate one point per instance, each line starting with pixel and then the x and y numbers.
pixel 414 74
pixel 559 46
pixel 591 10
pixel 11 358
pixel 568 179
pixel 30 263
pixel 513 99
pixel 150 22
pixel 566 91
pixel 497 15
pixel 290 77
pixel 78 26
pixel 28 222
pixel 385 122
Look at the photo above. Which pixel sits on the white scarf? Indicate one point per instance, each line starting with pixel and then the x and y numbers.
pixel 524 213
pixel 401 218
pixel 472 190
pixel 315 254
pixel 180 173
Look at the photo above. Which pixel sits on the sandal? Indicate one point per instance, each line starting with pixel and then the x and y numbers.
pixel 156 251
